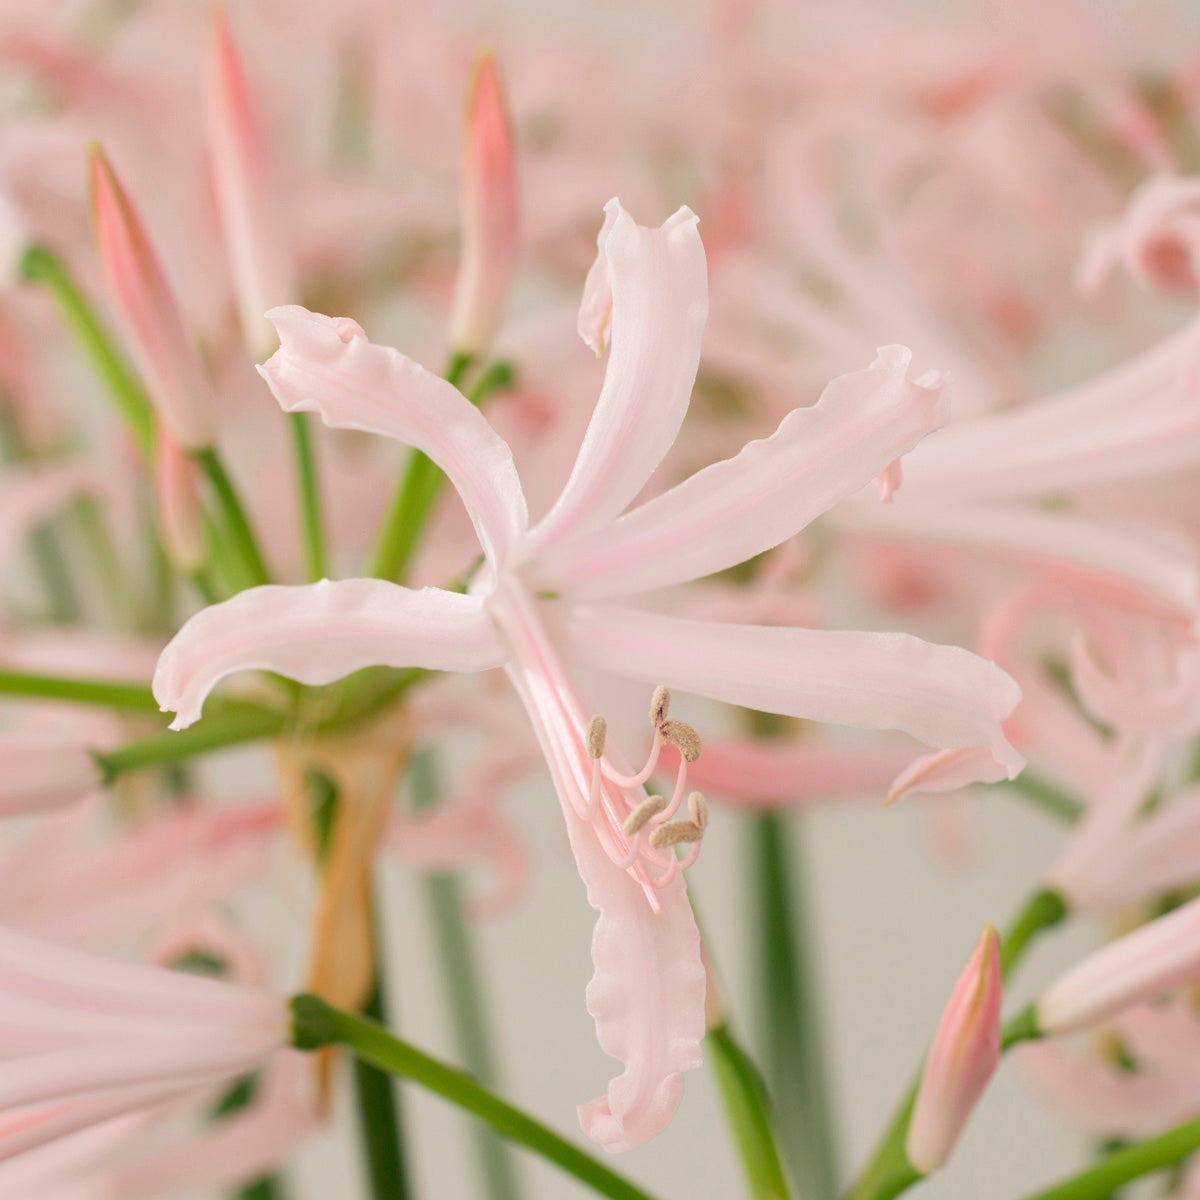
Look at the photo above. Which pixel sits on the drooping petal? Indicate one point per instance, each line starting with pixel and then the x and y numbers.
pixel 947 771
pixel 320 632
pixel 733 510
pixel 659 289
pixel 327 365
pixel 942 695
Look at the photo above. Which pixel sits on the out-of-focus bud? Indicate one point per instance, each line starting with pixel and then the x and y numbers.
pixel 488 211
pixel 43 774
pixel 250 216
pixel 1149 962
pixel 961 1061
pixel 177 497
pixel 166 356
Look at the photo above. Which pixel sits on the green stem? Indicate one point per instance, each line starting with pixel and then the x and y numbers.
pixel 40 265
pixel 235 516
pixel 747 1108
pixel 464 987
pixel 1124 1166
pixel 317 1024
pixel 213 733
pixel 1043 794
pixel 792 1042
pixel 379 1116
pixel 128 696
pixel 418 491
pixel 310 498
pixel 888 1172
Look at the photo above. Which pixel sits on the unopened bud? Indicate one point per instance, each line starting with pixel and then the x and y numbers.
pixel 177 497
pixel 489 215
pixel 962 1060
pixel 40 774
pixel 166 355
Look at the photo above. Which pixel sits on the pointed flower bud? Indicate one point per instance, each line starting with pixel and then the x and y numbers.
pixel 488 212
pixel 165 353
pixel 177 498
pixel 961 1061
pixel 1155 959
pixel 241 174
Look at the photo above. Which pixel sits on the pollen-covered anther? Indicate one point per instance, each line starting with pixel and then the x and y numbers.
pixel 675 833
pixel 597 735
pixel 683 737
pixel 660 705
pixel 636 821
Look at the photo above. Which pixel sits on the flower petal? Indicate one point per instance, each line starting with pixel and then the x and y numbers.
pixel 659 285
pixel 41 774
pixel 943 695
pixel 320 632
pixel 326 365
pixel 733 510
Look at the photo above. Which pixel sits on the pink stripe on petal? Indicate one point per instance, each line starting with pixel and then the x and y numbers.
pixel 659 287
pixel 326 365
pixel 321 632
pixel 942 695
pixel 739 508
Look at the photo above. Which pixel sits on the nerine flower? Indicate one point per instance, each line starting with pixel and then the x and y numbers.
pixel 556 594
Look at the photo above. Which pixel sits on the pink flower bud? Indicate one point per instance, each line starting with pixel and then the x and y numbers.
pixel 241 174
pixel 166 355
pixel 488 212
pixel 1157 958
pixel 177 498
pixel 964 1055
pixel 43 774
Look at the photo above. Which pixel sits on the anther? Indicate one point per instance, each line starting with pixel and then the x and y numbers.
pixel 636 821
pixel 673 833
pixel 597 734
pixel 660 704
pixel 683 737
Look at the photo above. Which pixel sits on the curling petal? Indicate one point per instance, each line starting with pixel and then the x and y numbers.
pixel 320 632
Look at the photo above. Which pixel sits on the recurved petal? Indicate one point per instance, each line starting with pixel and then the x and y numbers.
pixel 733 510
pixel 327 365
pixel 318 633
pixel 942 695
pixel 659 304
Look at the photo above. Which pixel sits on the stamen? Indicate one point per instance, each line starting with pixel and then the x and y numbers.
pixel 636 821
pixel 632 781
pixel 597 734
pixel 674 833
pixel 683 737
pixel 660 704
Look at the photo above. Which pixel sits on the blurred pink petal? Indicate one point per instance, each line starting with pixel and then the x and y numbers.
pixel 321 632
pixel 39 775
pixel 178 506
pixel 327 365
pixel 947 771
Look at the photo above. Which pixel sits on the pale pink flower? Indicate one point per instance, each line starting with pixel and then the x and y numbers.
pixel 1155 959
pixel 551 592
pixel 86 1039
pixel 962 1059
pixel 489 214
pixel 165 353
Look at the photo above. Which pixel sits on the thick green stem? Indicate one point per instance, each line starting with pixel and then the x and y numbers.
pixel 1124 1166
pixel 317 1024
pixel 214 733
pixel 40 265
pixel 310 498
pixel 463 986
pixel 379 1117
pixel 131 697
pixel 1043 910
pixel 747 1109
pixel 236 522
pixel 791 1044
pixel 418 491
